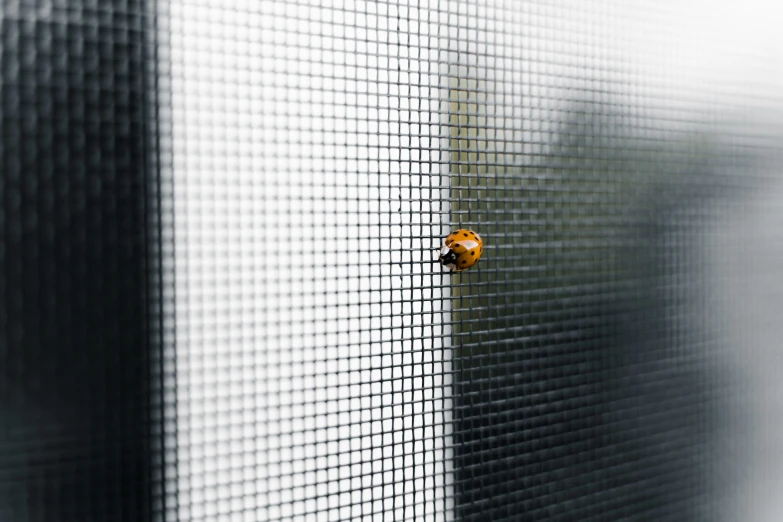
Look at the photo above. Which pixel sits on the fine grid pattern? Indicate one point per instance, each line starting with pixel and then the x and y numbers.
pixel 587 353
pixel 74 416
pixel 218 294
pixel 317 363
pixel 309 377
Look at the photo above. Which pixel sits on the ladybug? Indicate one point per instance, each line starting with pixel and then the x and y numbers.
pixel 461 250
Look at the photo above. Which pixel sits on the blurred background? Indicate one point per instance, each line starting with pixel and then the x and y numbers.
pixel 219 295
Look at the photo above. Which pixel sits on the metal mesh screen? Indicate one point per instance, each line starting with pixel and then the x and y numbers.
pixel 312 376
pixel 221 299
pixel 74 368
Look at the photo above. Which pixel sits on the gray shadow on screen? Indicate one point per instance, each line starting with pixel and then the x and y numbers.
pixel 592 374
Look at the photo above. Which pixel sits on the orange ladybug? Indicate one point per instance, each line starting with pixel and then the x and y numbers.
pixel 461 250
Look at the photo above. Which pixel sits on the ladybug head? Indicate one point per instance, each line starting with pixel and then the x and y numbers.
pixel 447 257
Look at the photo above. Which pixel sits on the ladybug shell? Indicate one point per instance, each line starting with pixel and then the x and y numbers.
pixel 462 250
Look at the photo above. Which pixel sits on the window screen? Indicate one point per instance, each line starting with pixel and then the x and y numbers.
pixel 220 287
pixel 309 358
pixel 74 365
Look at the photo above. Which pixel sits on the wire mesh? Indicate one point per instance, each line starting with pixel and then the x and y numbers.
pixel 311 374
pixel 220 232
pixel 74 372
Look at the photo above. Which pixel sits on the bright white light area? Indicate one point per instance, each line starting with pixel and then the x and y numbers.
pixel 310 379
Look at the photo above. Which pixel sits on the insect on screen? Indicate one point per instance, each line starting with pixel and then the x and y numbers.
pixel 221 295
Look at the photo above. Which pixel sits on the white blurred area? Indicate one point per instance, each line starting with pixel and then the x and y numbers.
pixel 287 400
pixel 309 376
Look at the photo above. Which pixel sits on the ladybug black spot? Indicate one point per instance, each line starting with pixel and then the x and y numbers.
pixel 464 261
pixel 473 252
pixel 472 232
pixel 464 234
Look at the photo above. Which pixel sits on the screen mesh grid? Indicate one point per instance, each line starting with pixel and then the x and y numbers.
pixel 221 296
pixel 307 190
